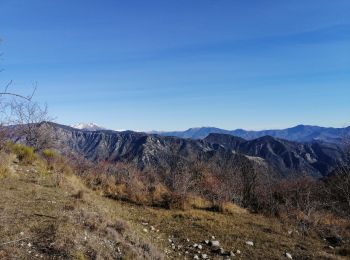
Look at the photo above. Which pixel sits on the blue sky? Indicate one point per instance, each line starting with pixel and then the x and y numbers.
pixel 174 64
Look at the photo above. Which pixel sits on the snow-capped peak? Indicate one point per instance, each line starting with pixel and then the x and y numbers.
pixel 88 126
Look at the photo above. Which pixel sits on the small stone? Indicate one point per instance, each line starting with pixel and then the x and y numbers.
pixel 22 233
pixel 170 241
pixel 288 255
pixel 232 254
pixel 290 232
pixel 144 223
pixel 206 242
pixel 196 257
pixel 331 247
pixel 145 230
pixel 222 251
pixel 238 252
pixel 195 245
pixel 204 256
pixel 250 243
pixel 212 237
pixel 214 243
pixel 173 247
pixel 29 245
pixel 153 228
pixel 200 247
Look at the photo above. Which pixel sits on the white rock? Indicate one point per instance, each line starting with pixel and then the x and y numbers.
pixel 232 254
pixel 196 257
pixel 222 251
pixel 214 243
pixel 29 244
pixel 238 252
pixel 200 247
pixel 212 237
pixel 153 228
pixel 289 256
pixel 204 256
pixel 145 230
pixel 250 243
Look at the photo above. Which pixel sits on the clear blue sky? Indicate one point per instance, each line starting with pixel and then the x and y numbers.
pixel 174 64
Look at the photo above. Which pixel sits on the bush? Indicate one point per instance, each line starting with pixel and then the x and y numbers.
pixel 50 156
pixel 25 154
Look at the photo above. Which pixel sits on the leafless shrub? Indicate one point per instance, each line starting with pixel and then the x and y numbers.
pixel 30 118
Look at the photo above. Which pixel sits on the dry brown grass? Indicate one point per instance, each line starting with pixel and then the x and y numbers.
pixel 62 222
pixel 71 221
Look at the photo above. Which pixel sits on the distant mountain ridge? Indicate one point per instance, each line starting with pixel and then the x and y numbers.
pixel 300 133
pixel 285 156
pixel 162 152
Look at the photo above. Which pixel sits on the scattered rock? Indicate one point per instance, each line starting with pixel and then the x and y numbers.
pixel 212 237
pixel 145 230
pixel 206 242
pixel 204 256
pixel 250 243
pixel 153 228
pixel 214 243
pixel 222 251
pixel 288 255
pixel 29 245
pixel 170 241
pixel 196 257
pixel 290 232
pixel 232 254
pixel 331 247
pixel 238 252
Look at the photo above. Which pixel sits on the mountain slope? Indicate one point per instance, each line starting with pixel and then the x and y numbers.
pixel 143 149
pixel 285 156
pixel 41 220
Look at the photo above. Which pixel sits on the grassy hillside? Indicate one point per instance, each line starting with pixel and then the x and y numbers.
pixel 44 219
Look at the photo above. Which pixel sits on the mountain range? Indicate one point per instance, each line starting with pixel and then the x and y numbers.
pixel 163 152
pixel 300 133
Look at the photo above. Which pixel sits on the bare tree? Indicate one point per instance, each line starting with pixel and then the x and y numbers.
pixel 30 120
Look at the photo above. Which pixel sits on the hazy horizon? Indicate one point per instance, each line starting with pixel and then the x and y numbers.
pixel 172 65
